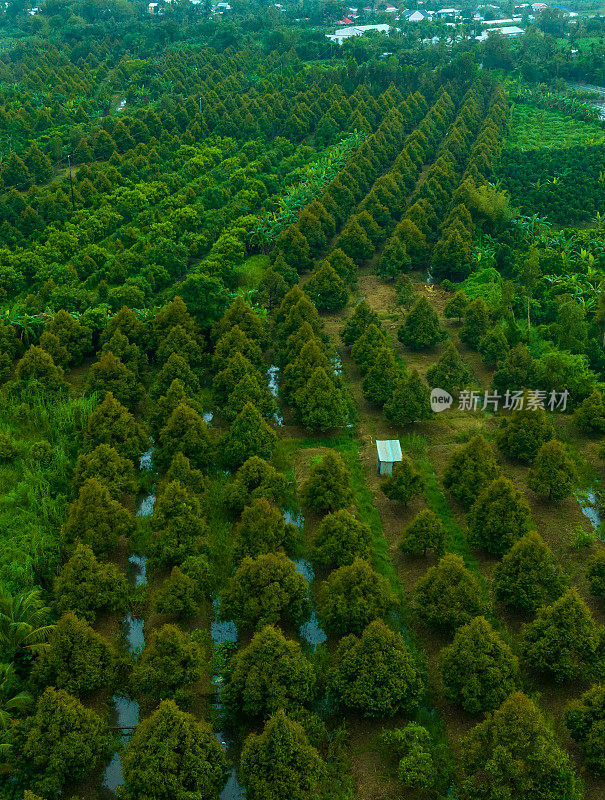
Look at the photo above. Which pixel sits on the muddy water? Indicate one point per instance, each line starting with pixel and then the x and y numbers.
pixel 590 508
pixel 311 631
pixel 224 632
pixel 273 383
pixel 126 710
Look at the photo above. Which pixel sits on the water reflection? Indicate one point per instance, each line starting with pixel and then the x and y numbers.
pixel 147 504
pixel 590 508
pixel 135 637
pixel 137 571
pixel 273 379
pixel 223 632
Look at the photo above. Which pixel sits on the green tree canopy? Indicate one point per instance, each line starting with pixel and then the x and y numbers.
pixel 76 658
pixel 360 319
pixel 71 334
pixel 418 765
pixel 590 415
pixel 258 479
pixel 37 368
pixel 456 307
pixel 185 432
pixel 376 674
pixel 528 577
pixel 516 371
pixel 494 346
pixel 448 595
pixel 327 485
pixel 470 468
pixel 421 329
pixel 262 529
pixel 112 424
pixel 96 519
pixel 394 258
pixel 367 346
pixel 250 389
pixel 180 470
pixel 595 573
pixel 241 314
pixel 380 380
pixel 523 433
pixel 410 401
pixel 404 483
pixel 563 641
pixel 514 749
pixel 178 596
pixel 450 372
pixel 61 743
pixel 110 468
pixel 340 539
pixel 476 323
pixel 270 673
pixel 265 590
pixel 326 288
pixel 87 586
pixel 249 436
pixel 321 404
pixel 280 762
pixel 109 374
pixel 553 473
pixel 353 596
pixel 478 669
pixel 425 532
pixel 499 516
pixel 173 756
pixel 232 341
pixel 170 664
pixel 585 720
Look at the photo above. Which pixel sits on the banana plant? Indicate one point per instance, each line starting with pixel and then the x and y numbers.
pixel 12 702
pixel 24 623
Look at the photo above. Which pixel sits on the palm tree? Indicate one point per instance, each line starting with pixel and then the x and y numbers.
pixel 11 701
pixel 23 623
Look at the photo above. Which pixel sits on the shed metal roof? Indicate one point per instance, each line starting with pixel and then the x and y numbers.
pixel 389 449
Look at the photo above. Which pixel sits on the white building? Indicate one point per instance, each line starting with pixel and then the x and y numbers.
pixel 416 16
pixel 346 33
pixel 388 452
pixel 509 32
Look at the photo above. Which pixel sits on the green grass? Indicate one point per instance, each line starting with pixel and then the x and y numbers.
pixel 537 129
pixel 252 270
pixel 436 500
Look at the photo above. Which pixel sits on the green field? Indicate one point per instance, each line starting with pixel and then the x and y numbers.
pixel 535 128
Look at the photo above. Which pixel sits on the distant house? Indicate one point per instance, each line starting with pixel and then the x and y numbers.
pixel 152 8
pixel 346 33
pixel 416 16
pixel 388 452
pixel 344 21
pixel 509 32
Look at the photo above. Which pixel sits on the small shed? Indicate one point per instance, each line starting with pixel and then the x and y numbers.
pixel 388 452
